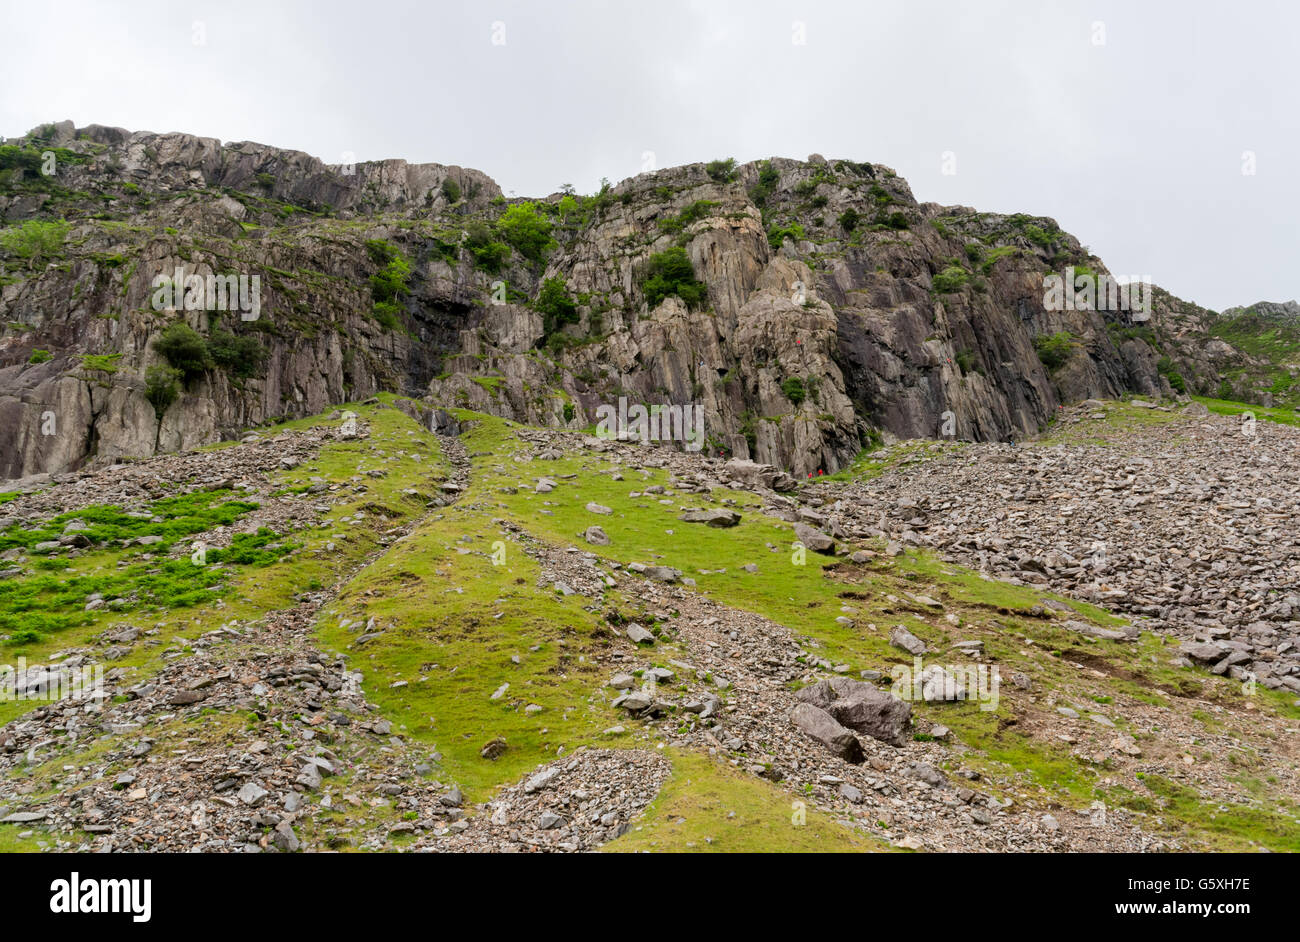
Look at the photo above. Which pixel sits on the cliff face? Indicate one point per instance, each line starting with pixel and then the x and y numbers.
pixel 836 309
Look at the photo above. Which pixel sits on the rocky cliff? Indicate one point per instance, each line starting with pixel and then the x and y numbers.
pixel 827 308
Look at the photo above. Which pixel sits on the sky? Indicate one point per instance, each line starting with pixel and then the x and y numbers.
pixel 1164 135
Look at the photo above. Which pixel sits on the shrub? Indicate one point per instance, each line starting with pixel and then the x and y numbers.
pixel 160 388
pixel 1038 236
pixel 386 314
pixel 768 178
pixel 953 278
pixel 185 349
pixel 776 235
pixel 721 171
pixel 569 412
pixel 849 219
pixel 670 272
pixel 966 360
pixel 1165 367
pixel 100 362
pixel 35 240
pixel 239 356
pixel 555 305
pixel 691 214
pixel 388 285
pixel 451 190
pixel 40 356
pixel 1055 350
pixel 895 220
pixel 528 230
pixel 489 254
pixel 794 390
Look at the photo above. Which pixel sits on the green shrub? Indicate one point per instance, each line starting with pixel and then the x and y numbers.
pixel 185 349
pixel 951 279
pixel 671 272
pixel 387 314
pixel 40 356
pixel 794 390
pixel 160 388
pixel 527 230
pixel 721 171
pixel 776 234
pixel 237 355
pixel 966 360
pixel 100 362
pixel 451 190
pixel 691 214
pixel 35 240
pixel 388 285
pixel 569 412
pixel 1055 350
pixel 1038 236
pixel 1165 367
pixel 768 178
pixel 849 219
pixel 555 305
pixel 489 254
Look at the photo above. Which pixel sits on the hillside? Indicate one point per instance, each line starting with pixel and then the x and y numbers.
pixel 517 639
pixel 810 308
pixel 313 536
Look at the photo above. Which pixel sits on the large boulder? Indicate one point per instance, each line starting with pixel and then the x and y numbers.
pixel 814 540
pixel 715 518
pixel 861 707
pixel 821 726
pixel 754 474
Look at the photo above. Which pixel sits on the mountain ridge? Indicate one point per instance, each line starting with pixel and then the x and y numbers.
pixel 835 311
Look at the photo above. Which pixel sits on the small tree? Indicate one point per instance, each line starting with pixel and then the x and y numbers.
pixel 794 390
pixel 527 229
pixel 721 171
pixel 185 349
pixel 35 240
pixel 1055 350
pixel 160 388
pixel 555 305
pixel 671 272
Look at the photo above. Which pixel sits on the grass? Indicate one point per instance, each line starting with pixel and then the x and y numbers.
pixel 1280 415
pixel 460 610
pixel 1176 809
pixel 1020 631
pixel 323 556
pixel 708 806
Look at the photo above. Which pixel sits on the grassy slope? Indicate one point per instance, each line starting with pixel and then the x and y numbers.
pixel 807 598
pixel 454 648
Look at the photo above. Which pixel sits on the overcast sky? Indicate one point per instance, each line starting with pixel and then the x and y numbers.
pixel 1129 123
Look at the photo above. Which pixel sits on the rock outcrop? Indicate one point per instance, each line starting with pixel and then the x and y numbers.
pixel 836 309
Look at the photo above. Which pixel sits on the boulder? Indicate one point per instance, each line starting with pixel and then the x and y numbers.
pixel 814 540
pixel 714 518
pixel 817 724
